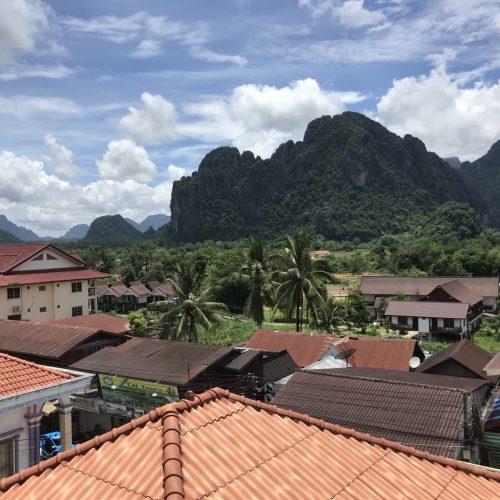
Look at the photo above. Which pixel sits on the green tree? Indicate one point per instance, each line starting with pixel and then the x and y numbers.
pixel 357 312
pixel 191 308
pixel 490 327
pixel 138 323
pixel 300 278
pixel 330 316
pixel 254 275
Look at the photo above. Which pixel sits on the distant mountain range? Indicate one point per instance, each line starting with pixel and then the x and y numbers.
pixel 20 232
pixel 154 221
pixel 112 229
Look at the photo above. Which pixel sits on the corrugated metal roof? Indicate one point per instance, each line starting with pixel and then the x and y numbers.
pixel 50 276
pixel 41 339
pixel 149 359
pixel 465 352
pixel 102 322
pixel 492 368
pixel 17 375
pixel 461 293
pixel 304 348
pixel 425 417
pixel 424 309
pixel 139 289
pixel 390 285
pixel 226 446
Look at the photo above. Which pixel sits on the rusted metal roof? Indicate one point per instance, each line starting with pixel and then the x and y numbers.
pixel 424 309
pixel 423 416
pixel 304 348
pixel 390 285
pixel 221 445
pixel 102 322
pixel 149 359
pixel 18 375
pixel 42 339
pixel 465 352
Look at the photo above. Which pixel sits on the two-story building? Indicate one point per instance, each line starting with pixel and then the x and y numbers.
pixel 40 282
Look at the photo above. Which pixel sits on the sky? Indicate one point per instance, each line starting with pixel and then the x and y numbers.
pixel 103 105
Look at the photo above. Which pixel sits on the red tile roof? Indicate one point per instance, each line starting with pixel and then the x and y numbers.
pixel 221 445
pixel 424 309
pixel 389 285
pixel 464 352
pixel 103 322
pixel 17 375
pixel 50 276
pixel 13 255
pixel 140 289
pixel 304 348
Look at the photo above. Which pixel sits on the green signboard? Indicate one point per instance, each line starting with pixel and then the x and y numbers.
pixel 134 393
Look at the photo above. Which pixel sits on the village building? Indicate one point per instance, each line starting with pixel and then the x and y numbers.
pixel 160 291
pixel 40 282
pixel 433 413
pixel 103 322
pixel 24 389
pixel 222 445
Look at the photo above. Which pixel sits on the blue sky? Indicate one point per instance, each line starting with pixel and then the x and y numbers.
pixel 104 104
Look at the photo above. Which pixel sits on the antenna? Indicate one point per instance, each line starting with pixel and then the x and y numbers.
pixel 414 362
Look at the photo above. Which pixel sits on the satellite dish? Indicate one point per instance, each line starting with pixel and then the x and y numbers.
pixel 414 362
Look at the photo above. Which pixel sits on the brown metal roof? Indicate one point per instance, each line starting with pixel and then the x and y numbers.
pixel 160 360
pixel 460 292
pixel 492 368
pixel 424 417
pixel 390 285
pixel 464 352
pixel 102 322
pixel 221 445
pixel 424 309
pixel 41 339
pixel 304 348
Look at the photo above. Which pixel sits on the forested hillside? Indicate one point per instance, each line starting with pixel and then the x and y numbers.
pixel 349 178
pixel 111 229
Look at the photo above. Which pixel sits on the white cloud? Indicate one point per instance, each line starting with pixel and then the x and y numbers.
pixel 353 13
pixel 23 106
pixel 125 160
pixel 204 54
pixel 175 173
pixel 153 124
pixel 451 118
pixel 260 117
pixel 48 205
pixel 147 48
pixel 61 158
pixel 18 71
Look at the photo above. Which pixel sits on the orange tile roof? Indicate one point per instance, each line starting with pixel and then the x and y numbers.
pixel 17 375
pixel 221 445
pixel 50 276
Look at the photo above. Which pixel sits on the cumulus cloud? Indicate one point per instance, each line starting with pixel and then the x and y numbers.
pixel 61 158
pixel 451 117
pixel 175 173
pixel 260 117
pixel 125 160
pixel 43 202
pixel 153 124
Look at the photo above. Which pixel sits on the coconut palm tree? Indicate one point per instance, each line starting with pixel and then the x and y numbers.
pixel 330 316
pixel 300 278
pixel 191 308
pixel 254 274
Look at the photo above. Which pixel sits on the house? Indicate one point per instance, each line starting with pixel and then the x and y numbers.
pixel 308 348
pixel 492 367
pixel 141 292
pixel 103 322
pixel 160 291
pixel 465 289
pixel 40 282
pixel 24 388
pixel 460 359
pixel 221 445
pixel 53 344
pixel 432 318
pixel 432 413
pixel 119 296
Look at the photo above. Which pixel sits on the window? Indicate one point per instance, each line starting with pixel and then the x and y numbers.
pixel 43 309
pixel 38 257
pixel 51 257
pixel 13 292
pixel 41 288
pixel 76 286
pixel 6 457
pixel 449 323
pixel 77 311
pixel 402 320
pixel 14 317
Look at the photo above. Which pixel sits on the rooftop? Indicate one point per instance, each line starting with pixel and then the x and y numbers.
pixel 462 293
pixel 50 276
pixel 424 309
pixel 492 368
pixel 221 445
pixel 17 375
pixel 103 322
pixel 423 415
pixel 465 352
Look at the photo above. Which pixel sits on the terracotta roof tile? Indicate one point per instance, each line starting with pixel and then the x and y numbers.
pixel 17 375
pixel 225 446
pixel 50 277
pixel 13 255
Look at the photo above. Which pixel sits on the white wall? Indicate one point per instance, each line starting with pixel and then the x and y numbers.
pixel 12 420
pixel 423 325
pixel 61 262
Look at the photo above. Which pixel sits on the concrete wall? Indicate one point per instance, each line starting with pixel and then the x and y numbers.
pixel 10 421
pixel 60 262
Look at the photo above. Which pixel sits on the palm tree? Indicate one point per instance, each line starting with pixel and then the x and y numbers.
pixel 254 275
pixel 300 278
pixel 191 307
pixel 330 316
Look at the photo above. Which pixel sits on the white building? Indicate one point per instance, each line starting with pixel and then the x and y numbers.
pixel 40 282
